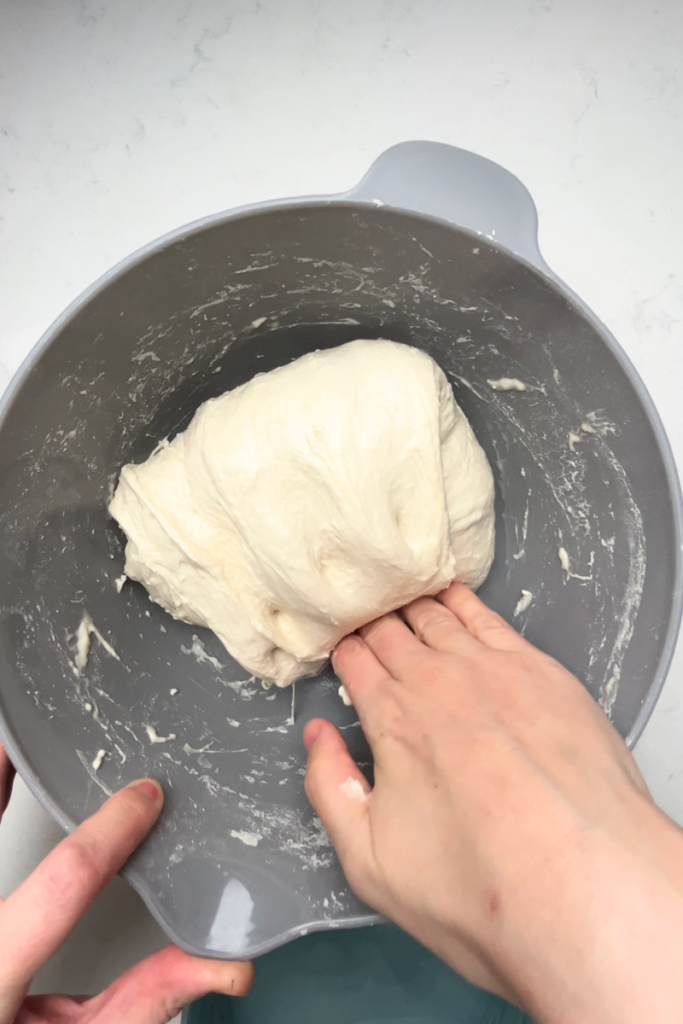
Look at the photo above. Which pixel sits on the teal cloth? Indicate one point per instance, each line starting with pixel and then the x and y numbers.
pixel 367 976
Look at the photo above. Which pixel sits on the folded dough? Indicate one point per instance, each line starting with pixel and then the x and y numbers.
pixel 308 501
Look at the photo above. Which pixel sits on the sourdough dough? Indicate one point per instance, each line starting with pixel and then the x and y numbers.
pixel 309 501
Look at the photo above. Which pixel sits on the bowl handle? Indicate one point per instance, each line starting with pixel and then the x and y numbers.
pixel 458 186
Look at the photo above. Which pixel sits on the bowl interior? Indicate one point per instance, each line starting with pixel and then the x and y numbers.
pixel 239 862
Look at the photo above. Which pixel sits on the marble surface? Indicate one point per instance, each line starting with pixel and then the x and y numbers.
pixel 121 119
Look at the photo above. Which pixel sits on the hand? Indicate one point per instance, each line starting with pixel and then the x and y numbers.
pixel 39 915
pixel 509 828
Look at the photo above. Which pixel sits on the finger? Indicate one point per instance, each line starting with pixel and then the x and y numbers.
pixel 52 1009
pixel 435 625
pixel 364 678
pixel 7 774
pixel 157 989
pixel 38 916
pixel 483 624
pixel 393 644
pixel 340 794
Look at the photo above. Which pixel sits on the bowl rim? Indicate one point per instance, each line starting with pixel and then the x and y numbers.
pixel 348 201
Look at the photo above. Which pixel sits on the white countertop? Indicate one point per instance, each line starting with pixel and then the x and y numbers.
pixel 121 119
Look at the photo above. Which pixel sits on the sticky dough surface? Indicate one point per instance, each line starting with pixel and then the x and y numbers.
pixel 308 501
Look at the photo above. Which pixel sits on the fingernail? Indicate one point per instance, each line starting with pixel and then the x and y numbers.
pixel 351 640
pixel 148 788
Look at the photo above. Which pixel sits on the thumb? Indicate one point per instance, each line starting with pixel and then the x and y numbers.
pixel 341 795
pixel 155 990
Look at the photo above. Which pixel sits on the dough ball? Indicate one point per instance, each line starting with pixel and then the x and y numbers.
pixel 309 501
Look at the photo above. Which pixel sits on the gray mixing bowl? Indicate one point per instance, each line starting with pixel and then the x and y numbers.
pixel 436 248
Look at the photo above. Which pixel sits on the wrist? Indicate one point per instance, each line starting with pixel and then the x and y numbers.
pixel 598 937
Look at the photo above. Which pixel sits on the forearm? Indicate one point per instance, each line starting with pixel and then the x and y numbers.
pixel 599 940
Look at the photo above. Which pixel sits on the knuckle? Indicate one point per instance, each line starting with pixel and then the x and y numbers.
pixel 526 666
pixel 171 1006
pixel 394 725
pixel 380 627
pixel 84 862
pixel 74 870
pixel 494 625
pixel 432 620
pixel 483 618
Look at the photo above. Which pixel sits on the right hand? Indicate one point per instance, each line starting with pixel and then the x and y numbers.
pixel 509 828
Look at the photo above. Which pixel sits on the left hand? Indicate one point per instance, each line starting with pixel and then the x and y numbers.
pixel 39 915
